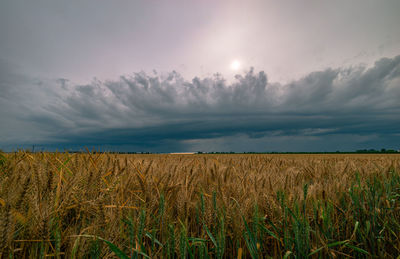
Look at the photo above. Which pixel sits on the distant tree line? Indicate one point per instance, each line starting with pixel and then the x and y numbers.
pixel 359 151
pixel 385 151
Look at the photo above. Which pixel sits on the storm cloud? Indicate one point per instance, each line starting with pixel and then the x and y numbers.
pixel 341 108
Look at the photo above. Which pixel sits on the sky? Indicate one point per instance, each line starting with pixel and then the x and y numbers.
pixel 182 76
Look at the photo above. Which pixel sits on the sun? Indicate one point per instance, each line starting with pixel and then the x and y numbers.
pixel 235 65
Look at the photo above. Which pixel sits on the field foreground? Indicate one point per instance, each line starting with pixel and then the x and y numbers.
pixel 199 206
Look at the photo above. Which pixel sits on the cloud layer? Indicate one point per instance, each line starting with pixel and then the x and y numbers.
pixel 343 108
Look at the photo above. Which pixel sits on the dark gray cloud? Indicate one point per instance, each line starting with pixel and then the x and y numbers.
pixel 342 108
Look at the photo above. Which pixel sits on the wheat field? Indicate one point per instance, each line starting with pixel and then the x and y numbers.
pixel 99 205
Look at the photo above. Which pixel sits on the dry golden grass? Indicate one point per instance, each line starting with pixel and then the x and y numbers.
pixel 49 202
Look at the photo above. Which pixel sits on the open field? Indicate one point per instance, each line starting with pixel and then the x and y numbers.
pixel 198 206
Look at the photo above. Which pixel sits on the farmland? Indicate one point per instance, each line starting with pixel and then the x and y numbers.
pixel 199 206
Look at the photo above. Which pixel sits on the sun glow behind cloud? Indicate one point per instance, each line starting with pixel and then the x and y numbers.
pixel 235 65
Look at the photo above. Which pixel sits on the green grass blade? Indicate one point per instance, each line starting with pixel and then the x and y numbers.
pixel 118 252
pixel 211 236
pixel 269 232
pixel 149 235
pixel 329 245
pixel 357 249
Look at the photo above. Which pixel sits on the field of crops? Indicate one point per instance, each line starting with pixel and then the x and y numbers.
pixel 199 206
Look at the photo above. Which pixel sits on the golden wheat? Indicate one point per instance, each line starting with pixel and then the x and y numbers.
pixel 92 194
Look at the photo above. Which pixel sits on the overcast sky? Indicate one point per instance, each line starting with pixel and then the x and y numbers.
pixel 169 76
